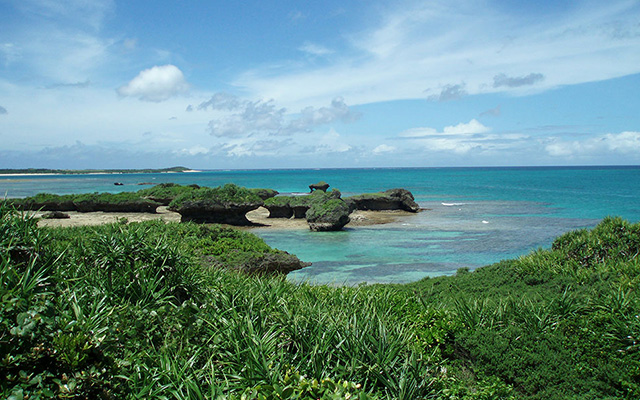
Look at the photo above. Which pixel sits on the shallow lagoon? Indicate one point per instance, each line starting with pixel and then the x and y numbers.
pixel 473 216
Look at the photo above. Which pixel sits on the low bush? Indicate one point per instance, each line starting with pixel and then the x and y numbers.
pixel 222 195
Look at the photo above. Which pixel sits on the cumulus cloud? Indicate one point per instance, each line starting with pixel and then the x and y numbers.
pixel 251 117
pixel 156 84
pixel 3 111
pixel 450 92
pixel 311 117
pixel 502 80
pixel 222 101
pixel 244 117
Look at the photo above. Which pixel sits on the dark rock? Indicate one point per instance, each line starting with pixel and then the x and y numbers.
pixel 66 205
pixel 300 211
pixel 118 183
pixel 392 199
pixel 279 211
pixel 145 183
pixel 55 215
pixel 205 212
pixel 227 204
pixel 322 185
pixel 140 206
pixel 331 215
pixel 280 263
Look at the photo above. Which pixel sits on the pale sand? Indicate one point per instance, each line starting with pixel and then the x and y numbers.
pixel 259 217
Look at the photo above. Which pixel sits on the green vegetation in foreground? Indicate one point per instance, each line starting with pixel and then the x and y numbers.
pixel 90 171
pixel 129 311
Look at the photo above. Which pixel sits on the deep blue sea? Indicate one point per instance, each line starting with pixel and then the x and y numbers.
pixel 472 217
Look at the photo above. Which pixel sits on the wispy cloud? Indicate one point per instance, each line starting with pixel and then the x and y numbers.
pixel 502 80
pixel 420 45
pixel 314 49
pixel 450 92
pixel 76 85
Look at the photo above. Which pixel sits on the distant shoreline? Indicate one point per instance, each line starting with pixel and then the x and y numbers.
pixel 56 172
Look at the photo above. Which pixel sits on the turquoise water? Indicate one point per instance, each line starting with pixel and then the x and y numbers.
pixel 473 216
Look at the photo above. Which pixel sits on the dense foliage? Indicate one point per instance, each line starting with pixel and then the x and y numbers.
pixel 165 193
pixel 222 195
pixel 332 209
pixel 130 311
pixel 556 324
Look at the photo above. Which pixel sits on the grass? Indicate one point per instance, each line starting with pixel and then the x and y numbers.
pixel 130 311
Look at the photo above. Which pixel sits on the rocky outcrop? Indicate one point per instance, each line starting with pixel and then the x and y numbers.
pixel 139 205
pixel 280 263
pixel 330 215
pixel 62 203
pixel 55 215
pixel 227 204
pixel 392 199
pixel 265 194
pixel 279 207
pixel 203 212
pixel 322 185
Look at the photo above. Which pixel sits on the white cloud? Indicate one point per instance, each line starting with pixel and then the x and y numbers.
pixel 240 117
pixel 470 128
pixel 623 143
pixel 383 148
pixel 156 84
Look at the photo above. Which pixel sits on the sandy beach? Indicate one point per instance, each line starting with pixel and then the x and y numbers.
pixel 259 217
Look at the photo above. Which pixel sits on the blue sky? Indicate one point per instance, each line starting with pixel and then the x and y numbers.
pixel 289 84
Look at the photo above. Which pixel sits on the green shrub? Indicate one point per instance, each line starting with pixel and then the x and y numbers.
pixel 222 195
pixel 165 192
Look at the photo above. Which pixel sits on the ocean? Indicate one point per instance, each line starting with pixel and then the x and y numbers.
pixel 472 216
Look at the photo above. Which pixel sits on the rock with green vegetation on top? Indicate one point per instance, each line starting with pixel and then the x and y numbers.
pixel 165 193
pixel 279 207
pixel 226 204
pixel 392 199
pixel 114 202
pixel 330 215
pixel 45 202
pixel 265 194
pixel 322 185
